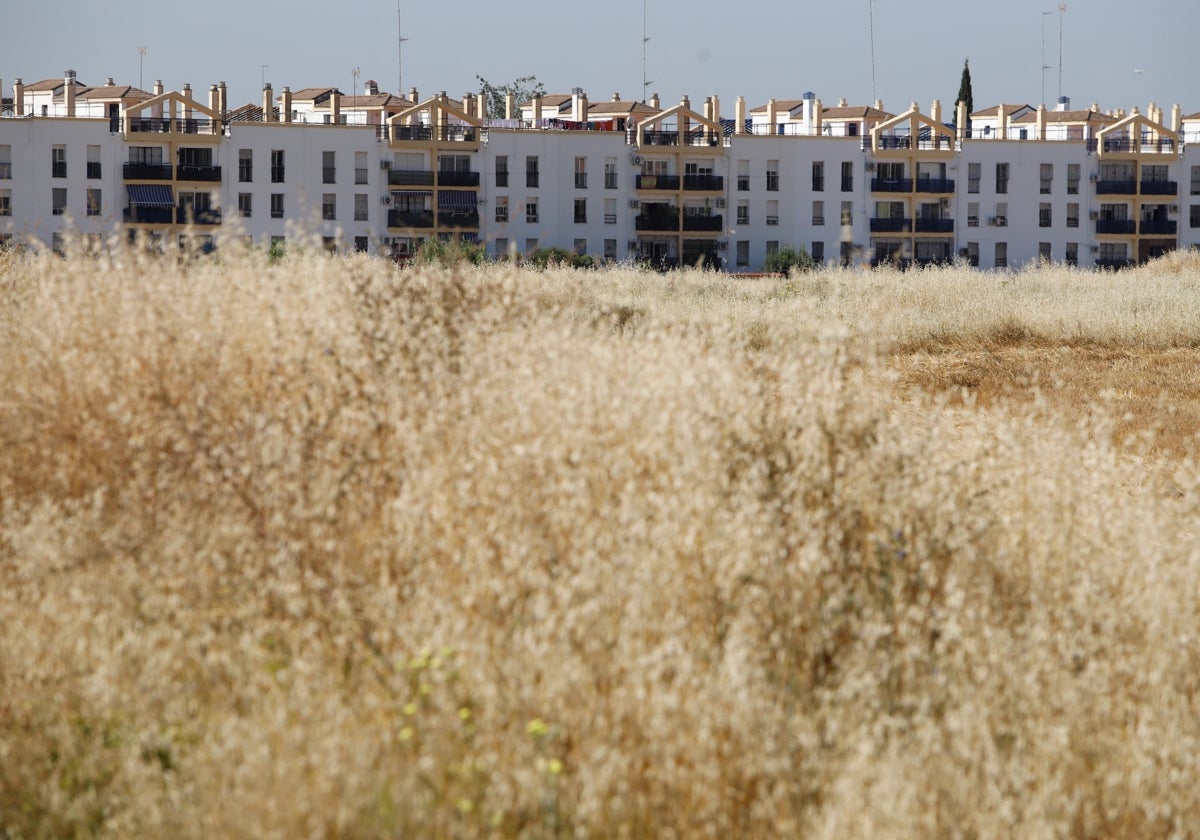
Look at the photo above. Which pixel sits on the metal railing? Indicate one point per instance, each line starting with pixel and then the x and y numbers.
pixel 136 214
pixel 446 178
pixel 147 171
pixel 935 225
pixel 1115 264
pixel 657 222
pixel 5 171
pixel 172 125
pixel 458 219
pixel 410 178
pixel 93 169
pixel 581 180
pixel 610 218
pixel 410 218
pixel 657 182
pixel 191 172
pixel 192 216
pixel 772 182
pixel 1124 226
pixel 704 223
pixel 1158 227
pixel 610 180
pixel 892 185
pixel 1123 186
pixel 935 185
pixel 704 183
pixel 1160 187
pixel 890 225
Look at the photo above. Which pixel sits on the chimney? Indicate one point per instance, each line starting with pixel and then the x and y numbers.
pixel 739 115
pixel 19 97
pixel 771 116
pixel 69 92
pixel 842 103
pixel 372 87
pixel 878 105
pixel 655 102
pixel 616 97
pixel 214 99
pixel 335 106
pixel 285 104
pixel 581 106
pixel 223 98
pixel 818 117
pixel 1002 127
pixel 268 103
pixel 468 102
pixel 1041 123
pixel 537 110
pixel 109 82
pixel 708 107
pixel 158 87
pixel 157 110
pixel 960 120
pixel 412 95
pixel 510 105
pixel 1176 118
pixel 684 124
pixel 807 115
pixel 716 109
pixel 443 117
pixel 1064 104
pixel 187 104
pixel 935 111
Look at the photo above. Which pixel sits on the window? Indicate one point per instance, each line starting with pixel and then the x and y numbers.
pixel 581 173
pixel 847 213
pixel 329 243
pixel 610 174
pixel 973 214
pixel 93 162
pixel 1072 179
pixel 580 211
pixel 150 155
pixel 1072 215
pixel 360 168
pixel 743 175
pixel 58 201
pixel 6 204
pixel 772 247
pixel 276 205
pixel 1113 252
pixel 818 213
pixel 328 168
pixel 500 250
pixel 973 254
pixel 1001 178
pixel 773 212
pixel 1044 214
pixel 1047 178
pixel 360 207
pixel 531 171
pixel 361 244
pixel 1001 217
pixel 5 163
pixel 847 176
pixel 974 174
pixel 277 166
pixel 1044 251
pixel 1194 216
pixel 531 245
pixel 610 211
pixel 818 176
pixel 245 165
pixel 245 205
pixel 818 252
pixel 329 206
pixel 1071 255
pixel 93 202
pixel 277 243
pixel 1001 258
pixel 772 176
pixel 743 212
pixel 189 156
pixel 502 171
pixel 580 246
pixel 742 252
pixel 58 162
pixel 501 208
pixel 531 211
pixel 610 249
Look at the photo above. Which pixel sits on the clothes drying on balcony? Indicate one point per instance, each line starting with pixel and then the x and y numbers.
pixel 457 200
pixel 150 195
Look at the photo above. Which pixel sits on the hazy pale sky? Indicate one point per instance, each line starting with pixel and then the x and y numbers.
pixel 1118 53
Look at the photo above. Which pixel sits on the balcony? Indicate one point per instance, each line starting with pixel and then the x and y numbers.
pixel 891 185
pixel 1158 227
pixel 610 180
pixel 192 216
pixel 581 180
pixel 935 185
pixel 93 169
pixel 410 218
pixel 147 171
pixel 169 125
pixel 140 215
pixel 935 225
pixel 1160 188
pixel 189 172
pixel 58 169
pixel 458 220
pixel 5 171
pixel 658 182
pixel 1144 144
pixel 704 183
pixel 458 179
pixel 410 178
pixel 1121 187
pixel 449 133
pixel 1119 226
pixel 705 223
pixel 661 138
pixel 657 221
pixel 891 225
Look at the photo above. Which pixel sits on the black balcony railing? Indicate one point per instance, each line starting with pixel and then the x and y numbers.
pixel 167 125
pixel 93 169
pixel 705 223
pixel 657 221
pixel 1135 144
pixel 935 185
pixel 1115 226
pixel 889 142
pixel 410 218
pixel 189 172
pixel 412 132
pixel 192 216
pixel 5 171
pixel 935 225
pixel 410 178
pixel 458 179
pixel 1160 187
pixel 891 185
pixel 1158 227
pixel 137 214
pixel 458 220
pixel 147 171
pixel 890 225
pixel 1116 187
pixel 451 133
pixel 58 169
pixel 501 179
pixel 705 183
pixel 610 180
pixel 661 138
pixel 581 180
pixel 658 182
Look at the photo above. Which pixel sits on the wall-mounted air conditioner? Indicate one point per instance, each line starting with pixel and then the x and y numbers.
pixel 385 164
pixel 634 204
pixel 720 202
pixel 637 160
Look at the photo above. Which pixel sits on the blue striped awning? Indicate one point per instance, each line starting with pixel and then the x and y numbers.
pixel 457 200
pixel 150 195
pixel 411 193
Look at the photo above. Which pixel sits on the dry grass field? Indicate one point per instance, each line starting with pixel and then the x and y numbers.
pixel 323 548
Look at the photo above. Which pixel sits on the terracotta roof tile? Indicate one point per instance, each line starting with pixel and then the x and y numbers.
pixel 994 111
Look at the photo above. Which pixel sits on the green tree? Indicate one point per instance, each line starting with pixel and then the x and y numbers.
pixel 786 259
pixel 524 88
pixel 964 90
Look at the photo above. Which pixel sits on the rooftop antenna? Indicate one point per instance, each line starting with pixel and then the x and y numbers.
pixel 263 83
pixel 1045 66
pixel 400 39
pixel 871 25
pixel 645 40
pixel 354 74
pixel 1062 9
pixel 141 60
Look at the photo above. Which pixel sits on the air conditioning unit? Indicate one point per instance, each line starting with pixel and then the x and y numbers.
pixel 720 202
pixel 870 166
pixel 385 164
pixel 722 246
pixel 637 160
pixel 1093 215
pixel 1174 208
pixel 1002 221
pixel 634 204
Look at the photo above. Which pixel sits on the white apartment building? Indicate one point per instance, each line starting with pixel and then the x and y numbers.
pixel 664 183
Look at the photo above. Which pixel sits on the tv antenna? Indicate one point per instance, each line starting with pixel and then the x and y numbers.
pixel 1062 10
pixel 354 74
pixel 400 39
pixel 1045 66
pixel 645 40
pixel 141 60
pixel 871 27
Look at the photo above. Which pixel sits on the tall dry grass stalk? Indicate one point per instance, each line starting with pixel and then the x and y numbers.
pixel 324 549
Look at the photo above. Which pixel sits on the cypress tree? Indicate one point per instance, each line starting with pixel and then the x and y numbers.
pixel 964 90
